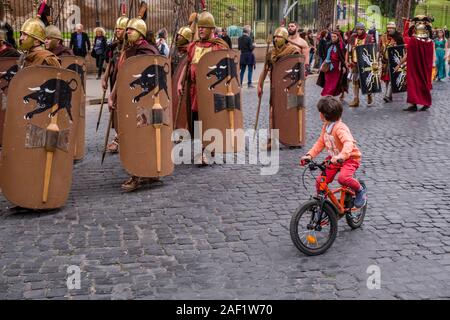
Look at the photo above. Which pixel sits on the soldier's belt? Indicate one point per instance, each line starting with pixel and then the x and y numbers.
pixel 37 137
pixel 227 102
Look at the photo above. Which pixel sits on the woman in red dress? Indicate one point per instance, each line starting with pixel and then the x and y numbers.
pixel 333 74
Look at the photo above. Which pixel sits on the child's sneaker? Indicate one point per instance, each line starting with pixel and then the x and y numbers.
pixel 361 198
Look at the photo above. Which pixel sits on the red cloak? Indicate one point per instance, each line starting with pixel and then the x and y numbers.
pixel 418 76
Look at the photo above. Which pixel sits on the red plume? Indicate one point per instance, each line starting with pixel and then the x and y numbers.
pixel 203 4
pixel 123 8
pixel 42 8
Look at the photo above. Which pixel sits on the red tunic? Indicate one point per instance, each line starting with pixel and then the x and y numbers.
pixel 214 46
pixel 420 65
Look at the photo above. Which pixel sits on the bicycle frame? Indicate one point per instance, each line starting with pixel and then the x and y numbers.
pixel 331 194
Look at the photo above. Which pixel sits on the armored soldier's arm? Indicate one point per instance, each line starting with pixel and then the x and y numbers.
pixel 112 98
pixel 181 80
pixel 105 77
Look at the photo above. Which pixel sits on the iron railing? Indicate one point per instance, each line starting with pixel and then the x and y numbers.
pixel 93 13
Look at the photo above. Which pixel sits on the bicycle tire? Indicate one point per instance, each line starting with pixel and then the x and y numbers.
pixel 355 224
pixel 294 228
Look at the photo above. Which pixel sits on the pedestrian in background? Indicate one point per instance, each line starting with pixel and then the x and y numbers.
pixel 79 42
pixel 161 43
pixel 226 38
pixel 312 46
pixel 246 46
pixel 99 49
pixel 441 46
pixel 323 46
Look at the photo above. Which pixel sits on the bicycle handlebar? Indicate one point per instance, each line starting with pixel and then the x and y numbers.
pixel 322 166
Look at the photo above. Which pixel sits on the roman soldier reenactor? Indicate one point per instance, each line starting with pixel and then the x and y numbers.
pixel 196 50
pixel 420 59
pixel 282 48
pixel 361 37
pixel 390 39
pixel 54 42
pixel 110 74
pixel 183 38
pixel 6 50
pixel 178 59
pixel 136 31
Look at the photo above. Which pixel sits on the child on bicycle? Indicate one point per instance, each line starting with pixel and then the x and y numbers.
pixel 337 139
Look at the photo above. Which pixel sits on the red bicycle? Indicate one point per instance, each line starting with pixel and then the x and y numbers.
pixel 314 225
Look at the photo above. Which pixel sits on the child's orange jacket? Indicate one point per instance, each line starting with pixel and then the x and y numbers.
pixel 338 140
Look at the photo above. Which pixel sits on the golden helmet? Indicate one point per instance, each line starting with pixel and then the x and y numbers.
pixel 186 33
pixel 138 25
pixel 421 18
pixel 122 22
pixel 281 32
pixel 35 28
pixel 421 31
pixel 53 32
pixel 206 20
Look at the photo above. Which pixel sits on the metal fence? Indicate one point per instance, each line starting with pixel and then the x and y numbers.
pixel 378 13
pixel 93 13
pixel 232 14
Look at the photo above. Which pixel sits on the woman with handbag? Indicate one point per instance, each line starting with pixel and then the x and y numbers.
pixel 98 52
pixel 333 72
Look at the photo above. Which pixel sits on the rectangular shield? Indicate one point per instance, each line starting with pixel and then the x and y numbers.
pixel 39 137
pixel 144 108
pixel 369 68
pixel 219 97
pixel 398 79
pixel 288 99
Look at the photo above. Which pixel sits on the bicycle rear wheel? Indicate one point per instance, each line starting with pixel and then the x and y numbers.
pixel 313 241
pixel 356 218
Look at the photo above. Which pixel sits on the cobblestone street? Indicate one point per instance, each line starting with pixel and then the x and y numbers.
pixel 222 231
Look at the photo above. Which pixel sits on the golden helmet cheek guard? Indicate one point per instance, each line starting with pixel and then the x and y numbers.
pixel 280 37
pixel 181 41
pixel 26 44
pixel 279 42
pixel 51 43
pixel 133 36
pixel 120 34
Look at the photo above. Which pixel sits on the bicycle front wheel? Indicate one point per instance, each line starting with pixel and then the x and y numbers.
pixel 309 236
